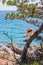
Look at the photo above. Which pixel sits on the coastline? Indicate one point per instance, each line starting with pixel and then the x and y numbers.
pixel 11 54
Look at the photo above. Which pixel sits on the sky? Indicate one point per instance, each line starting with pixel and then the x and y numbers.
pixel 6 7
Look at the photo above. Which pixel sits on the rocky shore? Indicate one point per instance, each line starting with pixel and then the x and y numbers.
pixel 10 54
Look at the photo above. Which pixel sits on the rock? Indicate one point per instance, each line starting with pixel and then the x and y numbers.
pixel 6 53
pixel 9 45
pixel 11 63
pixel 18 57
pixel 34 53
pixel 18 50
pixel 7 56
pixel 14 48
pixel 6 62
pixel 11 54
pixel 6 49
pixel 3 62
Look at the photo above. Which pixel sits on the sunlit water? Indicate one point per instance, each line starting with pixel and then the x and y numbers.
pixel 15 29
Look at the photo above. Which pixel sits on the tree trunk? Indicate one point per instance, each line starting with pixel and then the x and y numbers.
pixel 23 56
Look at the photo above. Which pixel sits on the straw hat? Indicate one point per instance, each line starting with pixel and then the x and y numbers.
pixel 29 30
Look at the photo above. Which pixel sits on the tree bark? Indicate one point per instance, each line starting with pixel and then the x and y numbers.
pixel 24 53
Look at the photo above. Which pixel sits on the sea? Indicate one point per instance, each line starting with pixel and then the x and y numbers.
pixel 15 29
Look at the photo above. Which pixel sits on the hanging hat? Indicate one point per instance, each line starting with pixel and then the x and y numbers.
pixel 29 30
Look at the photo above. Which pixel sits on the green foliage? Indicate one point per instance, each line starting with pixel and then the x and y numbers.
pixel 25 10
pixel 31 14
pixel 12 15
pixel 13 2
pixel 22 7
pixel 34 63
pixel 25 1
pixel 7 16
pixel 9 2
pixel 37 63
pixel 25 64
pixel 32 6
pixel 3 2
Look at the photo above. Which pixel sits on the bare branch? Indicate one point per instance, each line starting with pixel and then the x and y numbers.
pixel 8 36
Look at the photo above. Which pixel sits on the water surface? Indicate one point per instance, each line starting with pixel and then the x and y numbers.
pixel 15 29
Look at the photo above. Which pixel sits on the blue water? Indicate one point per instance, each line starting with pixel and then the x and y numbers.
pixel 15 29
